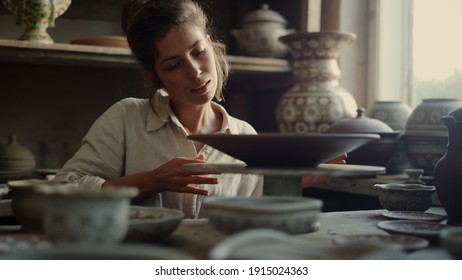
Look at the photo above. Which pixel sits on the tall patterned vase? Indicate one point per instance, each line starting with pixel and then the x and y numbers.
pixel 317 99
pixel 36 16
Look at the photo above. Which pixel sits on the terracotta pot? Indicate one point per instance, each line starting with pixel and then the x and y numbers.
pixel 448 170
pixel 317 100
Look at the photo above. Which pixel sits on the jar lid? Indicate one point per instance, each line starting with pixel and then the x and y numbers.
pixel 264 14
pixel 14 150
pixel 360 124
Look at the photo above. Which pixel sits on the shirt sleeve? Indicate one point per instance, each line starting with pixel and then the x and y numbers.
pixel 101 154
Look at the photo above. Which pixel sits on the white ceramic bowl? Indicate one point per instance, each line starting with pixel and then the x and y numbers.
pixel 451 240
pixel 150 224
pixel 86 216
pixel 285 213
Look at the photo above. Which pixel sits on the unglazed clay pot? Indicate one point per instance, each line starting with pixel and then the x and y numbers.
pixel 425 135
pixel 448 170
pixel 317 99
pixel 260 32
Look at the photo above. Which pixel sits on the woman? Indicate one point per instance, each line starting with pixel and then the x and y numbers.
pixel 143 142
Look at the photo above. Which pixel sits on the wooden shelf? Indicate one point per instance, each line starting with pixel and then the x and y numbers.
pixel 14 51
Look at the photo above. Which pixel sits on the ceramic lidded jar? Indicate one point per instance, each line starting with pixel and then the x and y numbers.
pixel 260 32
pixel 378 152
pixel 448 170
pixel 15 160
pixel 317 100
pixel 425 136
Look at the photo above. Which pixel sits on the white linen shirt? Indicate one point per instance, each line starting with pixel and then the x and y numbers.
pixel 136 135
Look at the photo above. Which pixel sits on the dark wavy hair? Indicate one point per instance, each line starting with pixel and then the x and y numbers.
pixel 147 21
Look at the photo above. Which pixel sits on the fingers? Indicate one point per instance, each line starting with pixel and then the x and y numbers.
pixel 192 190
pixel 201 157
pixel 308 181
pixel 193 179
pixel 172 177
pixel 338 160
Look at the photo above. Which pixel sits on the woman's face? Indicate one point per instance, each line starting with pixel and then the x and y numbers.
pixel 185 64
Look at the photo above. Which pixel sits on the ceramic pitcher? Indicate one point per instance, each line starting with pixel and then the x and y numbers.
pixel 448 170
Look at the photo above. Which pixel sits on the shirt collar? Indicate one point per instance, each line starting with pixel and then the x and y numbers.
pixel 161 113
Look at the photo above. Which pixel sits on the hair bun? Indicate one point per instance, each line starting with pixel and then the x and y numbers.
pixel 129 9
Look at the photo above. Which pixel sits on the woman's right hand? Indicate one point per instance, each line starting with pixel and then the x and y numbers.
pixel 171 177
pixel 168 177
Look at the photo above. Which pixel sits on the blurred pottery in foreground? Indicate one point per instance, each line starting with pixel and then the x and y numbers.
pixel 151 224
pixel 86 216
pixel 27 201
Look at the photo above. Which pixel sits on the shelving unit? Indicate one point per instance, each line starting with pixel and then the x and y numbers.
pixel 14 51
pixel 65 87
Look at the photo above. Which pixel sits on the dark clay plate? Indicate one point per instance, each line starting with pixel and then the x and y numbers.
pixel 392 241
pixel 428 230
pixel 285 149
pixel 414 215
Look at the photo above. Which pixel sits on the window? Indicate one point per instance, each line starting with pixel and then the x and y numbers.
pixel 437 49
pixel 415 50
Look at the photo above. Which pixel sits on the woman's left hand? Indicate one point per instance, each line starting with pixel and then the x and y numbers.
pixel 311 180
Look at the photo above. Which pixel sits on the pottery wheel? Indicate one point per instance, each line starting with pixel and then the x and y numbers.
pixel 287 181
